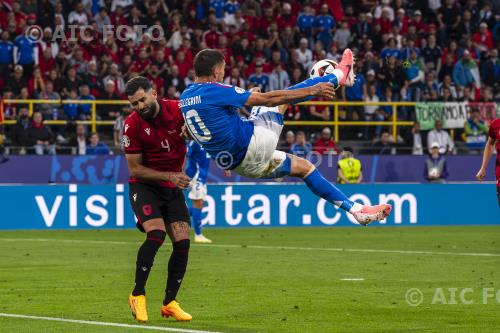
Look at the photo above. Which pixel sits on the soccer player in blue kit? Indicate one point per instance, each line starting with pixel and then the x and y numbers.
pixel 248 146
pixel 197 165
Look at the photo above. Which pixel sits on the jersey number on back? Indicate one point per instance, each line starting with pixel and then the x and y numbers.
pixel 196 126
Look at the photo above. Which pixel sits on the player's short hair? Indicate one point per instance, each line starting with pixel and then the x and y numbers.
pixel 137 83
pixel 206 60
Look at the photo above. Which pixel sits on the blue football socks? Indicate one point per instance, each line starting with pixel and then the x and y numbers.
pixel 323 188
pixel 196 216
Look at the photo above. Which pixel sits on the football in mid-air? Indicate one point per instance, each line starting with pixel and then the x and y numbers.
pixel 322 67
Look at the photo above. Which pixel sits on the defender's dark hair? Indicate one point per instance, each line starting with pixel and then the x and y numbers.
pixel 137 83
pixel 206 60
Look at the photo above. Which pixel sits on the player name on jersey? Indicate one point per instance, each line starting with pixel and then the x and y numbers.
pixel 191 101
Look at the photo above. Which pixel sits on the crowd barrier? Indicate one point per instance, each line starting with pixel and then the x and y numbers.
pixel 279 205
pixel 113 169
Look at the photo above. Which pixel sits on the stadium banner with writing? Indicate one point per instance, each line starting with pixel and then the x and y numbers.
pixel 258 205
pixel 453 115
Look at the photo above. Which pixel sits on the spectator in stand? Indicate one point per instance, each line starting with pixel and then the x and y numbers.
pixel 414 76
pixel 17 80
pixel 320 112
pixel 6 56
pixel 446 145
pixel 278 79
pixel 429 86
pixel 467 95
pixel 325 144
pixel 259 78
pixel 304 54
pixel 20 136
pixel 305 23
pixel 483 38
pixel 448 84
pixel 70 82
pixel 432 54
pixel 416 140
pixel 49 111
pixel 78 141
pixel 372 111
pixel 95 147
pixel 447 96
pixel 391 50
pixel 116 77
pixel 26 52
pixel 174 79
pixel 102 19
pixel 385 145
pixel 78 16
pixel 189 79
pixel 85 110
pixel 118 128
pixel 490 68
pixel 325 26
pixel 475 131
pixel 286 145
pixel 392 75
pixel 361 29
pixel 108 111
pixel 235 78
pixel 343 35
pixel 466 72
pixel 71 109
pixel 435 169
pixel 301 147
pixel 349 168
pixel 40 136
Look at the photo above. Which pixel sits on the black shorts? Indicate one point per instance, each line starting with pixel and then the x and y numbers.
pixel 152 202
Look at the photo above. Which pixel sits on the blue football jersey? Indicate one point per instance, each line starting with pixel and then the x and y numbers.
pixel 198 160
pixel 211 114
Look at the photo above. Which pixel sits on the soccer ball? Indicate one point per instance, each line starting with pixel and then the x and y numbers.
pixel 322 67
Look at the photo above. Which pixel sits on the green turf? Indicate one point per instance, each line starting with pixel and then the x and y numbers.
pixel 244 288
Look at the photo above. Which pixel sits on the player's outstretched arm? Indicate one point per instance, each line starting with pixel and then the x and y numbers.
pixel 279 97
pixel 488 152
pixel 140 172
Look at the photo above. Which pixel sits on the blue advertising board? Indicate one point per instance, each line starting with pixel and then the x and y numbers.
pixel 235 205
pixel 99 170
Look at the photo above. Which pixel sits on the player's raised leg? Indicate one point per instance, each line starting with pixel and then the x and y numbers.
pixel 298 167
pixel 179 234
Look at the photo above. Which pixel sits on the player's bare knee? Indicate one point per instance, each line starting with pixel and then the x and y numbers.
pixel 154 224
pixel 301 167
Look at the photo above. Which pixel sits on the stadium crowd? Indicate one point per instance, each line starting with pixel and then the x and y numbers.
pixel 84 50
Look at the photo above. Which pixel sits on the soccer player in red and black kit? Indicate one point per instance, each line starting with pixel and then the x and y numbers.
pixel 493 141
pixel 155 153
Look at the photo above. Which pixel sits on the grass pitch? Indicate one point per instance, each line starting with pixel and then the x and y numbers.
pixel 262 280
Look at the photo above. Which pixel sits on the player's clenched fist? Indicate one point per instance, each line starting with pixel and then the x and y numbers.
pixel 481 174
pixel 180 179
pixel 323 90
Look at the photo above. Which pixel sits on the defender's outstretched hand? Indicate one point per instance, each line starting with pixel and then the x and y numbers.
pixel 324 89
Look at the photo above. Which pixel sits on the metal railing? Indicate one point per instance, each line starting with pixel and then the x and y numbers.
pixel 394 123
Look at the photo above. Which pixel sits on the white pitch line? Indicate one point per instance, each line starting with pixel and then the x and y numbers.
pixel 103 323
pixel 266 247
pixel 352 279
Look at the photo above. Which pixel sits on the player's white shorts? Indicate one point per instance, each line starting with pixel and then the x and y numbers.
pixel 262 158
pixel 198 190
